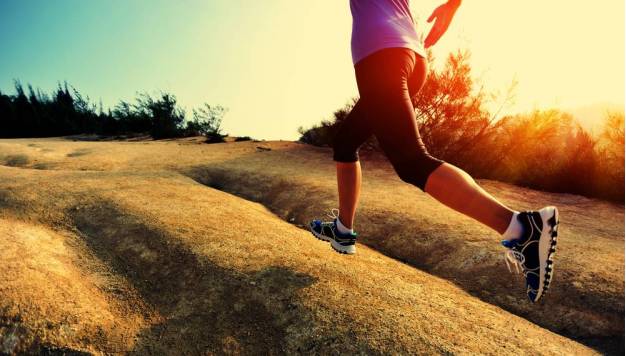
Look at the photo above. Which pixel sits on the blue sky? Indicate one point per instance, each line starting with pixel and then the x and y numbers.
pixel 280 64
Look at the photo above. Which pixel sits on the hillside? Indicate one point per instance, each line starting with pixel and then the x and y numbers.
pixel 131 246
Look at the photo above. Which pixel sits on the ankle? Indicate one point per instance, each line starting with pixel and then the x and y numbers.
pixel 343 228
pixel 515 228
pixel 345 221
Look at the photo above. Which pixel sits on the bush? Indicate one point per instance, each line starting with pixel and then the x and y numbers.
pixel 610 158
pixel 67 112
pixel 165 117
pixel 207 121
pixel 323 133
pixel 19 160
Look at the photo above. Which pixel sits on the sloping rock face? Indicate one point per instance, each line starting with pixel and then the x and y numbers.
pixel 113 253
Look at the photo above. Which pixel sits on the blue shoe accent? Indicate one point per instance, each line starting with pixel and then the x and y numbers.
pixel 316 226
pixel 508 243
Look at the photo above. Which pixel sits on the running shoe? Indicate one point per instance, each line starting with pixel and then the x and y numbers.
pixel 534 250
pixel 327 231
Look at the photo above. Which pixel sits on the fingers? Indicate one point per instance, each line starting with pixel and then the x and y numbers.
pixel 432 17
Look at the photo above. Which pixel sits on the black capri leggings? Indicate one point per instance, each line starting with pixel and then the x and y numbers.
pixel 386 80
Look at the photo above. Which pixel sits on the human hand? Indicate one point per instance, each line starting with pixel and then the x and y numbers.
pixel 443 15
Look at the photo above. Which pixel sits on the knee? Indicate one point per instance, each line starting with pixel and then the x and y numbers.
pixel 342 152
pixel 416 171
pixel 407 173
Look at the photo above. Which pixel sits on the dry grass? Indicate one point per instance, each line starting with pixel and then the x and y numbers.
pixel 117 251
pixel 18 160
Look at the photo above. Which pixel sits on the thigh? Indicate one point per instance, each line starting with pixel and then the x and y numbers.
pixel 385 81
pixel 397 133
pixel 354 129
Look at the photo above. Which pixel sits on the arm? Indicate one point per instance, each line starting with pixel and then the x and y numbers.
pixel 443 15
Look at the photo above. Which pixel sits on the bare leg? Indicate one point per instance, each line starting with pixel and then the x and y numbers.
pixel 458 190
pixel 349 186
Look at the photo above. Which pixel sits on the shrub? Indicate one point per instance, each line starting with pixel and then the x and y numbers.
pixel 207 121
pixel 19 160
pixel 165 117
pixel 323 133
pixel 67 112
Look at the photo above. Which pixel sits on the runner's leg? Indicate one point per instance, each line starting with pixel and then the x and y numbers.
pixel 384 86
pixel 352 132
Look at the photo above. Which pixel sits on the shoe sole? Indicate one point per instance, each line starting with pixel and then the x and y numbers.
pixel 346 250
pixel 547 249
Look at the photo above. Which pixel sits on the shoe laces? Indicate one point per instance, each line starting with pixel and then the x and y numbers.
pixel 334 213
pixel 515 258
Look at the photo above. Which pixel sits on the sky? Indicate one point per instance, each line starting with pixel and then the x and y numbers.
pixel 280 64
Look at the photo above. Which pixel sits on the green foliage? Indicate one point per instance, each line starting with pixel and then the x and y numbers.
pixel 207 121
pixel 165 117
pixel 67 112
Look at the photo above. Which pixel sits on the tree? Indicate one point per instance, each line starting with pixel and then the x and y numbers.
pixel 610 152
pixel 67 112
pixel 207 121
pixel 166 118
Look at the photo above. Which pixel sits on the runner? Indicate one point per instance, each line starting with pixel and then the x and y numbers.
pixel 390 67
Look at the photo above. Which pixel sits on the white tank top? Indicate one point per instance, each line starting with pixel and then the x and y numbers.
pixel 378 24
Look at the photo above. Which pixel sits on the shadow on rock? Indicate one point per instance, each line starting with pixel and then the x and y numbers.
pixel 205 307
